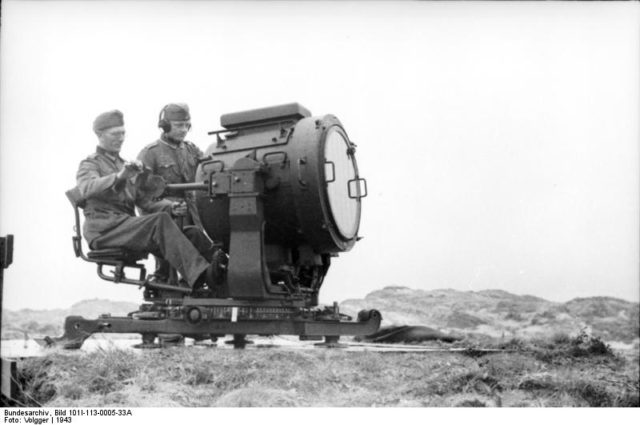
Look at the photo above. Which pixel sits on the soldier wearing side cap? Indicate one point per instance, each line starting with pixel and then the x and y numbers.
pixel 175 160
pixel 111 189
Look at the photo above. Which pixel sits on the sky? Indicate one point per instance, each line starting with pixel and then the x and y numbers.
pixel 499 140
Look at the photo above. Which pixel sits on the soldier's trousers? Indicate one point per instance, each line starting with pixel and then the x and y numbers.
pixel 195 235
pixel 159 235
pixel 198 238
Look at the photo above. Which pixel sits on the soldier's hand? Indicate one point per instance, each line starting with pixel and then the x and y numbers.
pixel 130 169
pixel 179 209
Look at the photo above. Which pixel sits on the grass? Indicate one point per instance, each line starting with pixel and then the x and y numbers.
pixel 560 371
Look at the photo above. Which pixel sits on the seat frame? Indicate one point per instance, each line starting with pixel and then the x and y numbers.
pixel 119 258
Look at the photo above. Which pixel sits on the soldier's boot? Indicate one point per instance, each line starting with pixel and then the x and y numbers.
pixel 212 278
pixel 163 270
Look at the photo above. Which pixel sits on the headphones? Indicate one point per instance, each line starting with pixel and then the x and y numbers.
pixel 164 123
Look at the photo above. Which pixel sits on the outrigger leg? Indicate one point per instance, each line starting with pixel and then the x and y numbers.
pixel 331 341
pixel 239 341
pixel 148 341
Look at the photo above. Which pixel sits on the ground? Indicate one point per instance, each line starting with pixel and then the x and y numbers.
pixel 557 372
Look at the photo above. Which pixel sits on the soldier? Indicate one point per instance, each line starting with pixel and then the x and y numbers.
pixel 108 184
pixel 175 160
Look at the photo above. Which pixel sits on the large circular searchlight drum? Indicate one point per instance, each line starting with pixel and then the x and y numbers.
pixel 309 183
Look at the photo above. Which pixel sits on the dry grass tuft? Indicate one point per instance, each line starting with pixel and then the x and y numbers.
pixel 543 373
pixel 256 396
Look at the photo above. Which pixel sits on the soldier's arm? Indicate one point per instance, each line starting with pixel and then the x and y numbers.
pixel 199 152
pixel 147 158
pixel 195 150
pixel 149 205
pixel 90 182
pixel 145 198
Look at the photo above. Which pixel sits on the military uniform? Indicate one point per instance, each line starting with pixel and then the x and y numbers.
pixel 175 163
pixel 110 220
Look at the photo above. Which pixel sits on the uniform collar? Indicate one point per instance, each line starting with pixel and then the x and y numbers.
pixel 111 156
pixel 164 139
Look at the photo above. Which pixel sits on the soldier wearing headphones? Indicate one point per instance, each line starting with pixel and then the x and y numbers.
pixel 176 160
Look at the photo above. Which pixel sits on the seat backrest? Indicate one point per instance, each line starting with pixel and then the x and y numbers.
pixel 75 197
pixel 78 202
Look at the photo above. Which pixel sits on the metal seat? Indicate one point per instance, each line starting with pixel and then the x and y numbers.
pixel 116 254
pixel 118 258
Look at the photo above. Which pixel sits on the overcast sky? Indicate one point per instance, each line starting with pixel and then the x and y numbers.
pixel 499 140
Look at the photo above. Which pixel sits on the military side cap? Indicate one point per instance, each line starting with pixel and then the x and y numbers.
pixel 107 120
pixel 175 112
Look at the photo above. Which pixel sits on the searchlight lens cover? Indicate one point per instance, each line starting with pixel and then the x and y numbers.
pixel 339 170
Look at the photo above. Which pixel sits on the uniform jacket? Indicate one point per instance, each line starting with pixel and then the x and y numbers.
pixel 110 201
pixel 175 164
